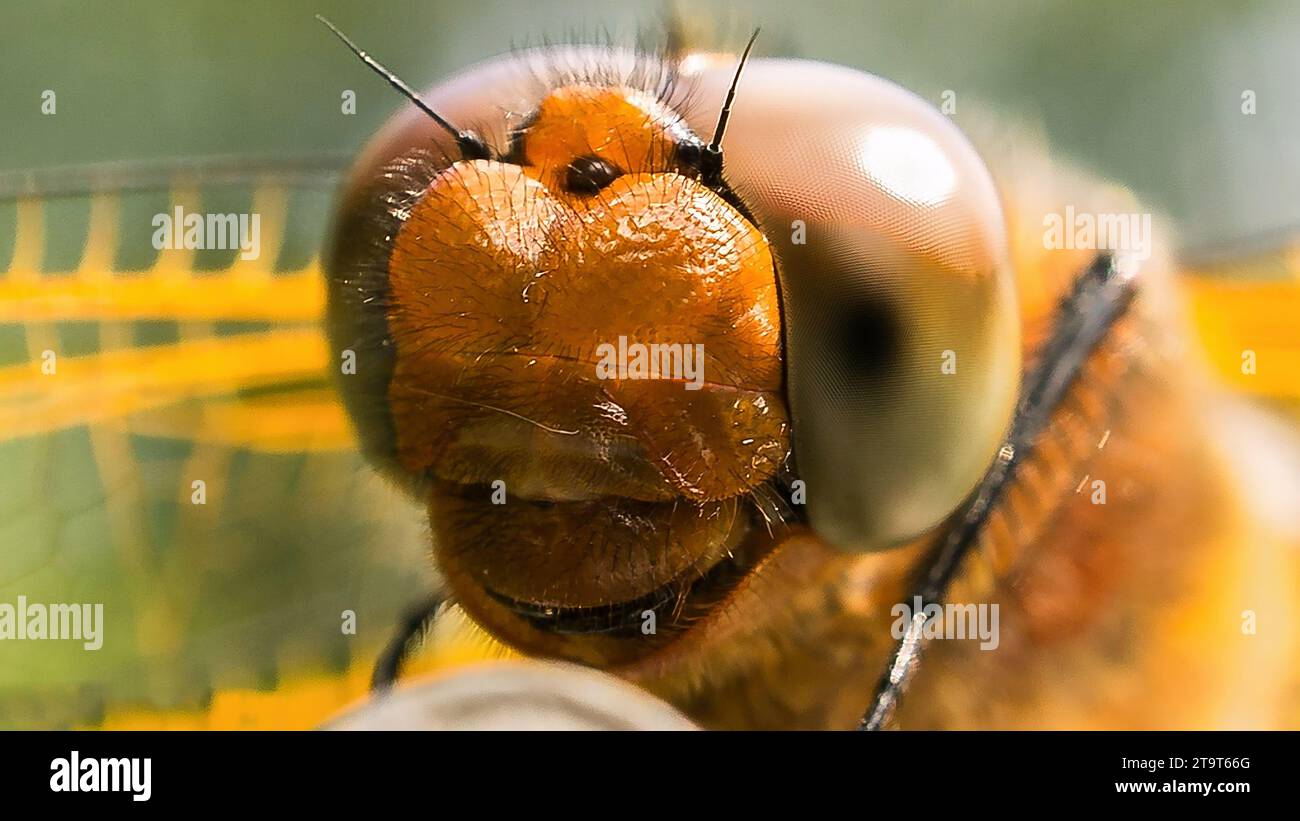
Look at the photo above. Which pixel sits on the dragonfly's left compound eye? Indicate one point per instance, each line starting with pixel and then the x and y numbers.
pixel 901 326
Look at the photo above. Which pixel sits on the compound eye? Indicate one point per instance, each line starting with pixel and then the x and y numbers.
pixel 898 303
pixel 589 175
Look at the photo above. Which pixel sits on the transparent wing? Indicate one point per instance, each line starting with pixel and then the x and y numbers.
pixel 170 448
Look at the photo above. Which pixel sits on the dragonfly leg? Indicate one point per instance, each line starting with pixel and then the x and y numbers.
pixel 413 625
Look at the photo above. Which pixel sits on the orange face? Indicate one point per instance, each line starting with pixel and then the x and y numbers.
pixel 588 363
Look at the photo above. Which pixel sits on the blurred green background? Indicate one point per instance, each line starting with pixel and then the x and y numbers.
pixel 1148 93
pixel 243 593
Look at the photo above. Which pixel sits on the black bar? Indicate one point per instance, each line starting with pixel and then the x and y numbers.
pixel 562 772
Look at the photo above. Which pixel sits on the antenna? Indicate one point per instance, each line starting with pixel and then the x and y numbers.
pixel 711 162
pixel 471 145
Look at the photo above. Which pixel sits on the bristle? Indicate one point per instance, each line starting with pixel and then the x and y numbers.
pixel 1097 409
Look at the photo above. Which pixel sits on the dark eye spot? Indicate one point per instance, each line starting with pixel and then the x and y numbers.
pixel 867 337
pixel 588 175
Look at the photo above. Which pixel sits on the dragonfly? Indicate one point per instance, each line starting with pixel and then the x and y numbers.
pixel 173 449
